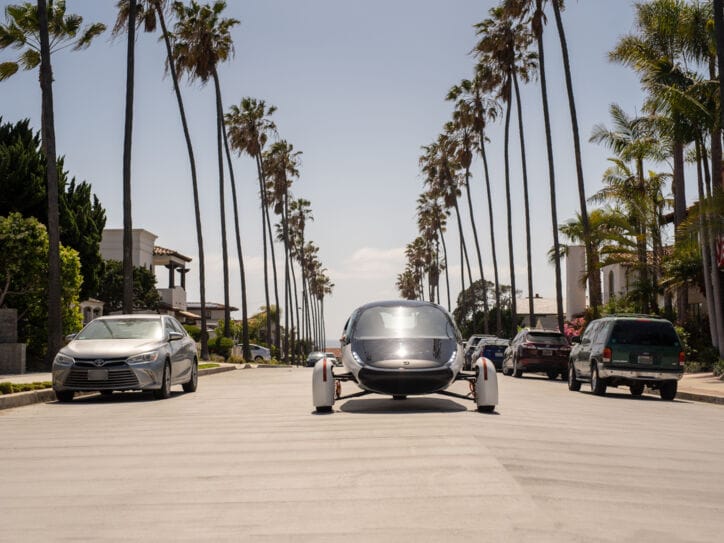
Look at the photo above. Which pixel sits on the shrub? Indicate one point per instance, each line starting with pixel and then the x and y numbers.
pixel 234 359
pixel 6 388
pixel 194 331
pixel 221 346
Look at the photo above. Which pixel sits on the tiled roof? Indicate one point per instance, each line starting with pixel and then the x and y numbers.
pixel 162 251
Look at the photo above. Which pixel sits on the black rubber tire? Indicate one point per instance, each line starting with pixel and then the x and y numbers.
pixel 516 372
pixel 506 371
pixel 636 389
pixel 573 383
pixel 486 409
pixel 192 384
pixel 399 397
pixel 64 396
pixel 667 390
pixel 324 409
pixel 564 376
pixel 552 375
pixel 258 358
pixel 165 390
pixel 106 392
pixel 598 387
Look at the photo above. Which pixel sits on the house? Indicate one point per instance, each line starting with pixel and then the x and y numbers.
pixel 545 311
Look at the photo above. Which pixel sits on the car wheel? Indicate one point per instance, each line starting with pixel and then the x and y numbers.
pixel 64 396
pixel 505 370
pixel 258 358
pixel 399 397
pixel 598 387
pixel 668 390
pixel 636 389
pixel 573 383
pixel 324 409
pixel 106 392
pixel 193 382
pixel 552 375
pixel 165 390
pixel 516 371
pixel 486 408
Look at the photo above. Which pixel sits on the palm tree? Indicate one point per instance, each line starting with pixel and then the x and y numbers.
pixel 534 9
pixel 299 213
pixel 41 30
pixel 202 40
pixel 719 28
pixel 151 12
pixel 249 127
pixel 432 222
pixel 485 109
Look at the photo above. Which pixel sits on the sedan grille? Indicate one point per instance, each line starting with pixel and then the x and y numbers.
pixel 119 376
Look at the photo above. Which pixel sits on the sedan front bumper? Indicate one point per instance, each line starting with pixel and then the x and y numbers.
pixel 111 376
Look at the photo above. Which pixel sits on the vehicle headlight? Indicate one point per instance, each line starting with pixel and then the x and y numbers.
pixel 357 358
pixel 150 356
pixel 63 360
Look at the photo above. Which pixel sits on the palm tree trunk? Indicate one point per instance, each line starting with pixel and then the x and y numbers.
pixel 447 275
pixel 704 244
pixel 499 316
pixel 463 245
pixel 641 245
pixel 195 188
pixel 55 322
pixel 287 285
pixel 486 309
pixel 526 205
pixel 222 203
pixel 511 260
pixel 246 351
pixel 719 28
pixel 682 294
pixel 127 139
pixel 277 323
pixel 594 279
pixel 551 179
pixel 264 208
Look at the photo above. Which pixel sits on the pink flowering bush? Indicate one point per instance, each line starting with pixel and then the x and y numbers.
pixel 574 328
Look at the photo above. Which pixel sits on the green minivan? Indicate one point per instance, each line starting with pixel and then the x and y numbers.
pixel 628 350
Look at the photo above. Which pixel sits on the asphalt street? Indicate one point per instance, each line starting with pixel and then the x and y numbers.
pixel 246 459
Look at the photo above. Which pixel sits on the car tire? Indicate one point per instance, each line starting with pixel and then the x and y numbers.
pixel 324 409
pixel 573 383
pixel 516 372
pixel 165 390
pixel 552 375
pixel 64 396
pixel 598 387
pixel 399 397
pixel 106 392
pixel 505 370
pixel 668 390
pixel 192 384
pixel 258 358
pixel 486 409
pixel 636 389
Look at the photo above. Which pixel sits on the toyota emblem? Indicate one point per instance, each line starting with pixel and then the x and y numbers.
pixel 99 362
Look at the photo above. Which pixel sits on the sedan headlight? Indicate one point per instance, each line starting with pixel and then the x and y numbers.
pixel 63 360
pixel 150 356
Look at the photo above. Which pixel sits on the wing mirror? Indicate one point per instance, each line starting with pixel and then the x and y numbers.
pixel 175 336
pixel 576 339
pixel 70 337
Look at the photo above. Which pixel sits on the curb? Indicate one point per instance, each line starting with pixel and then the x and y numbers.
pixel 20 399
pixel 699 398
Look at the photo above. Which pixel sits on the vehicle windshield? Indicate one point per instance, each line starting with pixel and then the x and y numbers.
pixel 644 333
pixel 404 322
pixel 547 337
pixel 122 329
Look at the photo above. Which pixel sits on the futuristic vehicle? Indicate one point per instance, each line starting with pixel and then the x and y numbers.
pixel 403 348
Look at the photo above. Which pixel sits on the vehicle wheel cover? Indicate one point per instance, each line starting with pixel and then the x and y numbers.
pixel 571 376
pixel 167 379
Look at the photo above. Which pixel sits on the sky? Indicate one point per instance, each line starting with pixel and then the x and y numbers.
pixel 359 86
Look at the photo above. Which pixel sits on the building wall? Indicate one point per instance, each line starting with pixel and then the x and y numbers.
pixel 575 288
pixel 143 243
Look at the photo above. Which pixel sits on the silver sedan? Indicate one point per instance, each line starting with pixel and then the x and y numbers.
pixel 127 352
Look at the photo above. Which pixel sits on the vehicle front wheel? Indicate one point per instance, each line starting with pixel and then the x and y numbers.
pixel 668 390
pixel 486 409
pixel 165 390
pixel 598 387
pixel 516 371
pixel 64 396
pixel 258 358
pixel 636 389
pixel 193 382
pixel 573 383
pixel 505 370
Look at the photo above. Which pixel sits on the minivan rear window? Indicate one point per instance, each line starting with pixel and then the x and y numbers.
pixel 644 333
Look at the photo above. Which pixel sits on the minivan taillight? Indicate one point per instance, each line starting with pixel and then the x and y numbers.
pixel 682 358
pixel 607 355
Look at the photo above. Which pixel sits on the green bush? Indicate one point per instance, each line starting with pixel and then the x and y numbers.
pixel 221 346
pixel 10 388
pixel 719 368
pixel 6 388
pixel 194 331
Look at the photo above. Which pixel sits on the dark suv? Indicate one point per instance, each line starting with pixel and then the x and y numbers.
pixel 628 350
pixel 534 350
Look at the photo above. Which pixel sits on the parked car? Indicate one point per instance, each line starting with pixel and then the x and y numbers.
pixel 541 351
pixel 259 353
pixel 126 352
pixel 333 359
pixel 491 348
pixel 470 345
pixel 628 350
pixel 313 357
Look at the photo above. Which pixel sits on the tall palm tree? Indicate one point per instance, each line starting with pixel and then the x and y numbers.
pixel 485 108
pixel 250 127
pixel 39 30
pixel 533 9
pixel 432 222
pixel 202 39
pixel 150 13
pixel 299 213
pixel 718 16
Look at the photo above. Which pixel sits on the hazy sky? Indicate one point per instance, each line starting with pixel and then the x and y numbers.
pixel 359 87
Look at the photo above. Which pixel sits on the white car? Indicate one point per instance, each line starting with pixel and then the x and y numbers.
pixel 259 353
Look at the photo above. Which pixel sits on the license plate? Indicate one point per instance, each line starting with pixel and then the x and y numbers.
pixel 645 359
pixel 547 352
pixel 498 355
pixel 97 375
